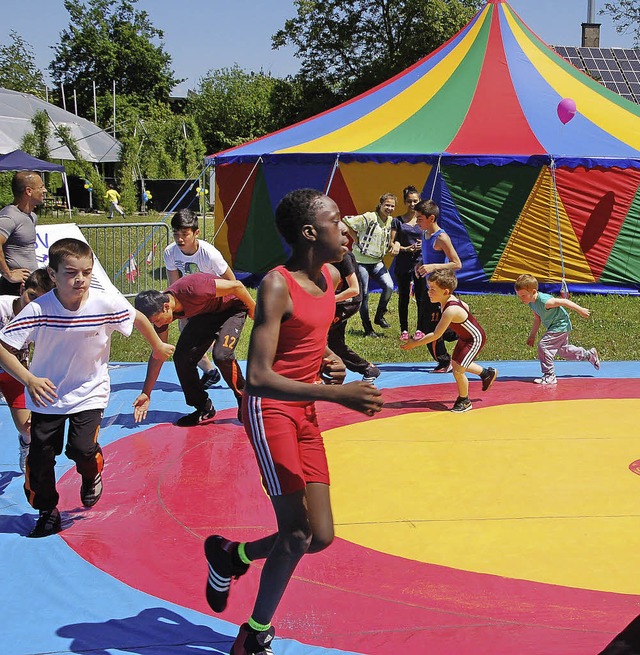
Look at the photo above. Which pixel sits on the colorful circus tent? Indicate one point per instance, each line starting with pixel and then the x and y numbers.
pixel 475 126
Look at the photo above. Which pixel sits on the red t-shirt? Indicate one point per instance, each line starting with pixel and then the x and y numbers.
pixel 303 336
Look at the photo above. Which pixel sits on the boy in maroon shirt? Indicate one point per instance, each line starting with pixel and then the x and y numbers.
pixel 217 309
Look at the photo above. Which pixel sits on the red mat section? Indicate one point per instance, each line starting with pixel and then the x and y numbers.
pixel 168 488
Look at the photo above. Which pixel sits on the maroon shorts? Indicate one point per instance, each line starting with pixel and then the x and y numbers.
pixel 466 351
pixel 287 443
pixel 13 391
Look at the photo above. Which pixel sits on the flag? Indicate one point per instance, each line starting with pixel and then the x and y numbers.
pixel 131 269
pixel 152 252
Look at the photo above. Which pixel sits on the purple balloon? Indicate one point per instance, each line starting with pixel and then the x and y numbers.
pixel 566 110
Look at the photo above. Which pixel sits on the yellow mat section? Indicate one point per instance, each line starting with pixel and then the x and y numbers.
pixel 536 491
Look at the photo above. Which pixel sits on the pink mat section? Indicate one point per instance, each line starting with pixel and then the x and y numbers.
pixel 169 488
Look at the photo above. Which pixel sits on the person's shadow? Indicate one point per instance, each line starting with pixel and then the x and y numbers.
pixel 5 479
pixel 154 631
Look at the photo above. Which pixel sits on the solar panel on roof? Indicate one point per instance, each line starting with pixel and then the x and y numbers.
pixel 618 69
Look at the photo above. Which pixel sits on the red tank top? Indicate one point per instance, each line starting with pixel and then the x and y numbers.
pixel 303 336
pixel 469 330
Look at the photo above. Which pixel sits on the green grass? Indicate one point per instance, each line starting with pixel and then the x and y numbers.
pixel 507 322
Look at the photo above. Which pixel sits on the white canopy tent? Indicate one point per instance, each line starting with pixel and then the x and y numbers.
pixel 17 110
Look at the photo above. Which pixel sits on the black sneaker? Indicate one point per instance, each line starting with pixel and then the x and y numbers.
pixel 210 378
pixel 197 417
pixel 382 322
pixel 487 377
pixel 371 333
pixel 250 642
pixel 91 490
pixel 461 405
pixel 48 523
pixel 222 568
pixel 371 373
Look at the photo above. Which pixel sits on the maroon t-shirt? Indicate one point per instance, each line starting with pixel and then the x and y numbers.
pixel 197 295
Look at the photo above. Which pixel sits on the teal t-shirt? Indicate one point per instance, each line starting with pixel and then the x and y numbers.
pixel 555 319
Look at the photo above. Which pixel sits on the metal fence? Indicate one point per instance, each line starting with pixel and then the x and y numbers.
pixel 130 253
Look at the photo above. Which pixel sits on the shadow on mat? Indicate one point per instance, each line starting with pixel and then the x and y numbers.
pixel 433 405
pixel 5 479
pixel 155 631
pixel 627 642
pixel 22 524
pixel 153 417
pixel 137 386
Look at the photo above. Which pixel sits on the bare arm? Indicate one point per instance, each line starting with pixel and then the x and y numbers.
pixel 531 339
pixel 173 276
pixel 274 305
pixel 154 366
pixel 445 320
pixel 236 288
pixel 15 275
pixel 41 390
pixel 352 290
pixel 567 304
pixel 229 274
pixel 454 263
pixel 161 350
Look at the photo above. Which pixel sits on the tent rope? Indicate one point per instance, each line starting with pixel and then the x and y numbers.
pixel 336 165
pixel 233 204
pixel 435 177
pixel 564 290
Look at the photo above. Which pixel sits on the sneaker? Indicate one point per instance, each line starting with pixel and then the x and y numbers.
pixel 23 451
pixel 250 642
pixel 371 333
pixel 417 335
pixel 222 568
pixel 594 359
pixel 442 367
pixel 547 380
pixel 210 378
pixel 461 405
pixel 48 523
pixel 197 417
pixel 382 322
pixel 404 336
pixel 487 377
pixel 91 490
pixel 371 373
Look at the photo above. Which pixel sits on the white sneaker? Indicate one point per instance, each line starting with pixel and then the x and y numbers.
pixel 547 380
pixel 594 359
pixel 23 451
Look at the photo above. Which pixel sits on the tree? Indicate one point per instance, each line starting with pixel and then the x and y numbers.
pixel 354 44
pixel 626 13
pixel 110 40
pixel 232 106
pixel 18 70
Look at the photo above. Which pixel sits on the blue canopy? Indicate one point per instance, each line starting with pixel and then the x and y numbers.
pixel 21 161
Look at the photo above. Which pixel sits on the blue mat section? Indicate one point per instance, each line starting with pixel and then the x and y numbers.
pixel 56 602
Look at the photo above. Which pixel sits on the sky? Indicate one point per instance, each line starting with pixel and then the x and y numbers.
pixel 202 35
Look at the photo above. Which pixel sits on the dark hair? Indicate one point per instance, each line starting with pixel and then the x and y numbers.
pixel 409 190
pixel 39 280
pixel 184 219
pixel 68 247
pixel 383 198
pixel 296 209
pixel 150 302
pixel 20 181
pixel 427 208
pixel 444 278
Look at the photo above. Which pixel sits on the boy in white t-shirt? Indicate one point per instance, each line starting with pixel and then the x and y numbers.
pixel 71 329
pixel 37 284
pixel 190 255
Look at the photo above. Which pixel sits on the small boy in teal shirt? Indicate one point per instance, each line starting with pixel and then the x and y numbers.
pixel 552 313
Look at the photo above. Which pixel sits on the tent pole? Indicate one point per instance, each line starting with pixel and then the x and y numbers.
pixel 564 290
pixel 435 177
pixel 66 189
pixel 336 164
pixel 212 196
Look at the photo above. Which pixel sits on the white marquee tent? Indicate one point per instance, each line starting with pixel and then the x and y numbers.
pixel 17 110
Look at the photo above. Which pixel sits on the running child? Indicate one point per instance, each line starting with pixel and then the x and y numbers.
pixel 188 254
pixel 552 313
pixel 287 350
pixel 71 328
pixel 37 284
pixel 471 337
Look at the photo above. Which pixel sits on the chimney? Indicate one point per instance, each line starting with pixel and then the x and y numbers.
pixel 591 29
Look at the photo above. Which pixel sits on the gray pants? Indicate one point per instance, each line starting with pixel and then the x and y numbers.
pixel 557 343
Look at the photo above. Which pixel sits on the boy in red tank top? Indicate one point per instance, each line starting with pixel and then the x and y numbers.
pixel 471 337
pixel 287 351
